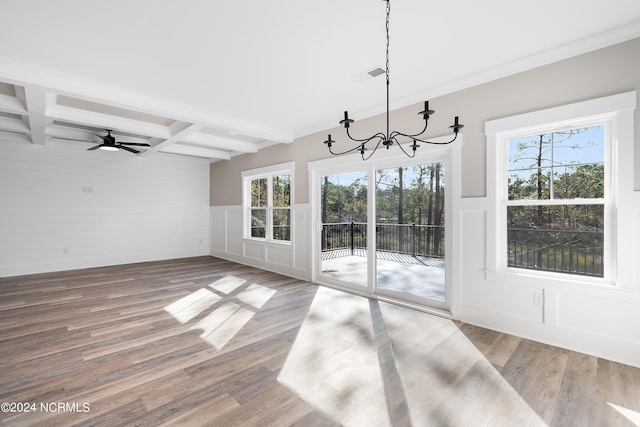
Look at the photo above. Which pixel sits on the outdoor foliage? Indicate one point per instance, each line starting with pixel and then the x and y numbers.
pixel 566 166
pixel 409 210
pixel 280 205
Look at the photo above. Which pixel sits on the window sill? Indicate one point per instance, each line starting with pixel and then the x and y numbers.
pixel 268 242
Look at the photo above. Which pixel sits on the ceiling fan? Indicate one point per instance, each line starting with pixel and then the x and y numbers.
pixel 109 143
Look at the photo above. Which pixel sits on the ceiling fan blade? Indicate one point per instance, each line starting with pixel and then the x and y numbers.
pixel 94 148
pixel 138 144
pixel 123 147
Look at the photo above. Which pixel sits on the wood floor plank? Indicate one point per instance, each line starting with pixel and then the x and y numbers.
pixel 547 372
pixel 201 415
pixel 102 336
pixel 515 370
pixel 501 349
pixel 618 385
pixel 579 384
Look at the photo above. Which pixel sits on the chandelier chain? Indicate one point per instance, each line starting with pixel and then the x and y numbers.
pixel 387 57
pixel 390 138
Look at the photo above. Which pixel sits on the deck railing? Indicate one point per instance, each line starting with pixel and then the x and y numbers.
pixel 411 239
pixel 564 251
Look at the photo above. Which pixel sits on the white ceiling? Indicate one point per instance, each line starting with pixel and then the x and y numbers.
pixel 216 79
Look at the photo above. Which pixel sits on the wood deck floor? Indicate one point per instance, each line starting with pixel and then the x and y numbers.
pixel 203 341
pixel 419 276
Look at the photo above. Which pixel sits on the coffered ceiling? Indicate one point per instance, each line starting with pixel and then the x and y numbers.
pixel 216 79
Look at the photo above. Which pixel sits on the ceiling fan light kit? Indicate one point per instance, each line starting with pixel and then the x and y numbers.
pixel 107 148
pixel 390 137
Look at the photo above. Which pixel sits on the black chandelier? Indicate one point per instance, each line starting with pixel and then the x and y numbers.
pixel 389 138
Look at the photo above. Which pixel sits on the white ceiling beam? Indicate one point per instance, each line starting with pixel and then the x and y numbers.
pixel 35 99
pixel 95 91
pixel 179 130
pixel 281 136
pixel 74 134
pixel 221 142
pixel 197 151
pixel 107 121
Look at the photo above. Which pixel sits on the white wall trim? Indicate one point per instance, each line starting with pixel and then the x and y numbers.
pixel 227 242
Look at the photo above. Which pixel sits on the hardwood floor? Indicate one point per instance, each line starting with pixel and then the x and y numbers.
pixel 204 341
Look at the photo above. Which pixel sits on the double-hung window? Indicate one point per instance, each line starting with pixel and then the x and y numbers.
pixel 267 202
pixel 557 195
pixel 553 176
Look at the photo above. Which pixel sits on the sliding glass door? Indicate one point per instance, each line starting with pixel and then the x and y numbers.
pixel 380 228
pixel 410 232
pixel 343 231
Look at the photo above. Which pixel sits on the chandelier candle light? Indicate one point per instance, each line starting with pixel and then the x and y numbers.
pixel 389 138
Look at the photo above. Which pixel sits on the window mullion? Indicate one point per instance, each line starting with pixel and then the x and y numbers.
pixel 555 202
pixel 269 207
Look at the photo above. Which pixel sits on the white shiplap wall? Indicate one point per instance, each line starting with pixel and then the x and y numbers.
pixel 63 209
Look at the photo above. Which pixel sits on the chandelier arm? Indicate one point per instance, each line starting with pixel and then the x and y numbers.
pixel 396 133
pixel 377 135
pixel 413 153
pixel 372 151
pixel 350 150
pixel 438 143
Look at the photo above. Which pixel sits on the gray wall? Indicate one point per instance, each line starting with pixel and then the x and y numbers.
pixel 603 72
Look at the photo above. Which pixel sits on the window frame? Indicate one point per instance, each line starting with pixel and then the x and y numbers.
pixel 607 201
pixel 268 173
pixel 605 111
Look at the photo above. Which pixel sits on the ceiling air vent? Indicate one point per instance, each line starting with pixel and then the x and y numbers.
pixel 367 75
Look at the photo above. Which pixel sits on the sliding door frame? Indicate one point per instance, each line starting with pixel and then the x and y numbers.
pixel 451 155
pixel 443 156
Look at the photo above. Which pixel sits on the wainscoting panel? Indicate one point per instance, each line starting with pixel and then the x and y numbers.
pixel 576 313
pixel 302 239
pixel 280 254
pixel 566 311
pixel 254 250
pixel 233 231
pixel 218 230
pixel 289 259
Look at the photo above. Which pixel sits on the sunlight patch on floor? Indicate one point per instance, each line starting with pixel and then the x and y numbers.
pixel 229 317
pixel 256 295
pixel 223 324
pixel 193 304
pixel 632 416
pixel 335 364
pixel 227 284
